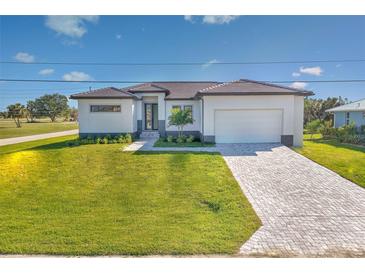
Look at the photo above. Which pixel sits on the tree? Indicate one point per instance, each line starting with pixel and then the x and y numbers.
pixel 316 108
pixel 313 127
pixel 74 113
pixel 51 105
pixel 180 118
pixel 31 111
pixel 16 112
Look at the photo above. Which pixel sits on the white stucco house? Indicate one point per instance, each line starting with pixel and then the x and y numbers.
pixel 242 111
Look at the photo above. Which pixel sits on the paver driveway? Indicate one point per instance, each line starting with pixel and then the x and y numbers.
pixel 306 209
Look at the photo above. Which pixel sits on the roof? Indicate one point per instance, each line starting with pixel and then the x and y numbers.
pixel 183 90
pixel 250 87
pixel 354 106
pixel 104 93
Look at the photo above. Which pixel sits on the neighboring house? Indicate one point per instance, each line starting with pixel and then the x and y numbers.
pixel 242 111
pixel 346 114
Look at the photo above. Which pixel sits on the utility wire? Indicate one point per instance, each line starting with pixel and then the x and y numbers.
pixel 141 82
pixel 186 63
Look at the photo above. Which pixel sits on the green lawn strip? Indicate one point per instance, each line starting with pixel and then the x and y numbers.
pixel 98 200
pixel 160 143
pixel 9 130
pixel 345 159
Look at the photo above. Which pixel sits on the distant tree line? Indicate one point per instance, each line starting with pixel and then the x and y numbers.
pixel 49 105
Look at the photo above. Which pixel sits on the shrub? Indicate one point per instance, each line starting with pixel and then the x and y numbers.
pixel 84 141
pixel 180 139
pixel 313 126
pixel 90 139
pixel 190 139
pixel 128 138
pixel 98 140
pixel 105 140
pixel 170 138
pixel 121 139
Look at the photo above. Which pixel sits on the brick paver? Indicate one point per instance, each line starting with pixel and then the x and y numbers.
pixel 306 210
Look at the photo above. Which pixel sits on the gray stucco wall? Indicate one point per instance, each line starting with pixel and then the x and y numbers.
pixel 355 116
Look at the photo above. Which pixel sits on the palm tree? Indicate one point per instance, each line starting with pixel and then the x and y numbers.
pixel 16 112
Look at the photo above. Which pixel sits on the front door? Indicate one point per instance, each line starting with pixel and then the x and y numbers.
pixel 150 116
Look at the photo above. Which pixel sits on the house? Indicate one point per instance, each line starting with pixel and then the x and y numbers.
pixel 242 111
pixel 349 113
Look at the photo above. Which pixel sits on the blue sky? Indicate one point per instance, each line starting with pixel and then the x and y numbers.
pixel 180 39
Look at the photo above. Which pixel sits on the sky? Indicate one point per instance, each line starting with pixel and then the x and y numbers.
pixel 205 39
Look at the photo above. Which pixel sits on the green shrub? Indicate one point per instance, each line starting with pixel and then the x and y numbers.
pixel 181 139
pixel 170 138
pixel 190 139
pixel 98 140
pixel 312 127
pixel 121 139
pixel 128 138
pixel 84 141
pixel 105 140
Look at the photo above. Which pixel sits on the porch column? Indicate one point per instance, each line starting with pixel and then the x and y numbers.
pixel 161 115
pixel 139 117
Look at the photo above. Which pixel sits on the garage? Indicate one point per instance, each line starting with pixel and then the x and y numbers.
pixel 248 126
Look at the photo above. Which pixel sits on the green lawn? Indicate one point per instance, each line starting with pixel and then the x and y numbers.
pixel 9 130
pixel 344 159
pixel 98 200
pixel 160 143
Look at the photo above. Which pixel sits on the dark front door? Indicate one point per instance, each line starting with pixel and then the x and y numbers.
pixel 150 116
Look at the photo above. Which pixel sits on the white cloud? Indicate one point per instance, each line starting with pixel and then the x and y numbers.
pixel 77 76
pixel 295 74
pixel 72 26
pixel 189 18
pixel 118 36
pixel 298 85
pixel 218 19
pixel 209 63
pixel 47 71
pixel 317 71
pixel 24 57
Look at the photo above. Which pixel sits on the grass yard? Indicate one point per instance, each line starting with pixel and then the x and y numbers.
pixel 9 130
pixel 160 143
pixel 344 159
pixel 98 200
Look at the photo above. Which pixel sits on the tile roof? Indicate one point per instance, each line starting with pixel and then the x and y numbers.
pixel 109 92
pixel 190 90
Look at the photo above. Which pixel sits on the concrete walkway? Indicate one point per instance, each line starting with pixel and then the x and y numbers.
pixel 306 209
pixel 16 140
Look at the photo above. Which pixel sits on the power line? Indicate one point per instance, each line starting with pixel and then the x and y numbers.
pixel 141 82
pixel 187 63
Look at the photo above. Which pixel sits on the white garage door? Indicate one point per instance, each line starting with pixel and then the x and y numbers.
pixel 248 126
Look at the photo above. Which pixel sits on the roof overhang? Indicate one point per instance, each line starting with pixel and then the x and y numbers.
pixel 304 93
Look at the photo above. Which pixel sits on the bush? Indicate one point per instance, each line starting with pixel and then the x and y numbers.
pixel 190 139
pixel 170 138
pixel 105 140
pixel 128 138
pixel 312 127
pixel 98 140
pixel 181 139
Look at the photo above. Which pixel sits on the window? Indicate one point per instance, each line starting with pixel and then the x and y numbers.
pixel 190 109
pixel 363 114
pixel 347 118
pixel 176 107
pixel 105 108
